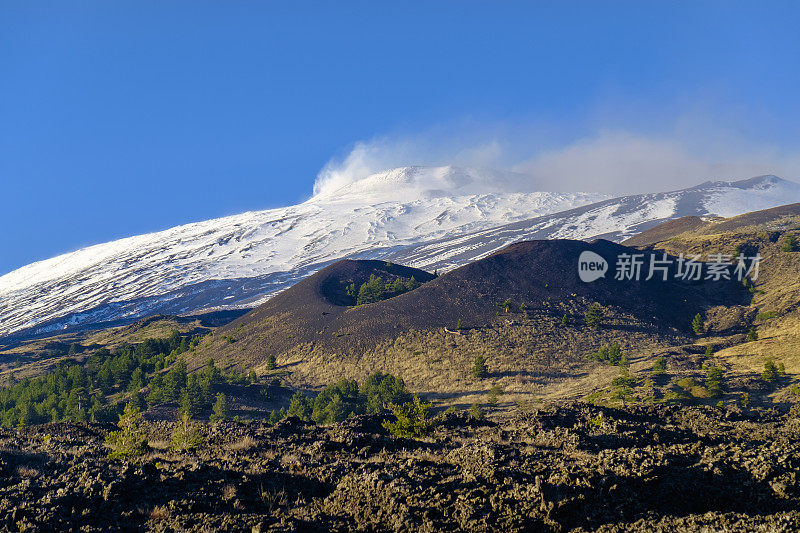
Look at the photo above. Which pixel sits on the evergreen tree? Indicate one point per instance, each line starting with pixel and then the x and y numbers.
pixel 752 334
pixel 300 406
pixel 337 402
pixel 594 316
pixel 479 369
pixel 371 291
pixel 191 398
pixel 129 442
pixel 697 324
pixel 137 380
pixel 270 362
pixel 714 382
pixel 220 408
pixel 494 395
pixel 412 419
pixel 185 435
pixel 412 284
pixel 137 401
pixel 398 286
pixel 770 373
pixel 381 389
pixel 789 244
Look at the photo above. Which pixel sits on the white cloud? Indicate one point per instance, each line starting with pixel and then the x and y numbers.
pixel 618 161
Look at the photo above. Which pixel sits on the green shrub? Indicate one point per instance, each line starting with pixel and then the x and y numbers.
pixel 300 406
pixel 494 395
pixel 476 412
pixel 686 383
pixel 677 395
pixel 659 366
pixel 412 419
pixel 380 390
pixel 709 351
pixel 220 408
pixel 744 399
pixel 789 244
pixel 770 373
pixel 337 402
pixel 766 315
pixel 129 442
pixel 623 385
pixel 714 382
pixel 594 316
pixel 610 354
pixel 371 291
pixel 185 435
pixel 697 324
pixel 479 369
pixel 752 334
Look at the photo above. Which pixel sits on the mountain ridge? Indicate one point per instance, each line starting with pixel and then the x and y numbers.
pixel 239 261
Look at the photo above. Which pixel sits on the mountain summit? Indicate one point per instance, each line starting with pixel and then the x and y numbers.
pixel 240 261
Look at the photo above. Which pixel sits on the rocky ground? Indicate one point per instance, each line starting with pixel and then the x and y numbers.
pixel 553 468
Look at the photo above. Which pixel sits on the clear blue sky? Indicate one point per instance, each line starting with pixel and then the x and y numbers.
pixel 119 118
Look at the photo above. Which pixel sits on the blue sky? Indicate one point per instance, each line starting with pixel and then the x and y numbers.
pixel 119 118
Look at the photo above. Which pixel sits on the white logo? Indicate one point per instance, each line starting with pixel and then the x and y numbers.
pixel 591 266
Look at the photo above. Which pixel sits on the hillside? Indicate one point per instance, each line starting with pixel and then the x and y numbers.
pixel 240 261
pixel 775 306
pixel 510 306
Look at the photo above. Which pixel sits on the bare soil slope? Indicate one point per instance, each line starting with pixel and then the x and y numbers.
pixel 510 306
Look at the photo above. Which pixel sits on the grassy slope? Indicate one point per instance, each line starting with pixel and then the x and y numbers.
pixel 778 288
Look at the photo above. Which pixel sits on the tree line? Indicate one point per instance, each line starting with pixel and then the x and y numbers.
pixel 97 388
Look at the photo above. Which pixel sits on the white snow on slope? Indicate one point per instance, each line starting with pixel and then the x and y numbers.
pixel 444 218
pixel 349 222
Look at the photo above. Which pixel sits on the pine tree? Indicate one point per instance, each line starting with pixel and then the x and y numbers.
pixel 185 435
pixel 697 324
pixel 129 442
pixel 594 316
pixel 220 408
pixel 191 398
pixel 770 373
pixel 300 406
pixel 270 362
pixel 714 382
pixel 371 291
pixel 479 369
pixel 412 419
pixel 752 334
pixel 789 244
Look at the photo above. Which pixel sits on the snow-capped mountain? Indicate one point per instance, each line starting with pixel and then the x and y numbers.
pixel 424 217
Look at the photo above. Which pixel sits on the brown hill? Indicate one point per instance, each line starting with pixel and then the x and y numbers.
pixel 773 218
pixel 510 305
pixel 665 231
